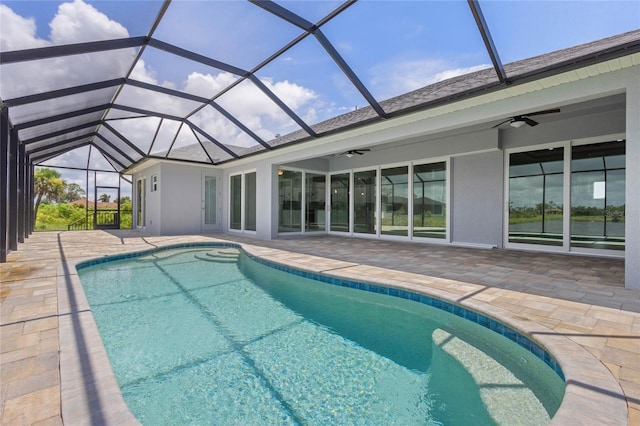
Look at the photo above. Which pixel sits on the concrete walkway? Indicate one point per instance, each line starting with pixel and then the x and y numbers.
pixel 577 307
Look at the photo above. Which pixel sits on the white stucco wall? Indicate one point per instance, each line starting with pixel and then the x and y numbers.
pixel 477 199
pixel 465 137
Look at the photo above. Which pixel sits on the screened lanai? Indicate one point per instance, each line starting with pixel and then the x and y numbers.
pixel 211 82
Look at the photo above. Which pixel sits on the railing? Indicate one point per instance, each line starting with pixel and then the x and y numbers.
pixel 103 219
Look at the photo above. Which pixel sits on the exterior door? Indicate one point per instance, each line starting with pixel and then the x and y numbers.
pixel 209 203
pixel 141 201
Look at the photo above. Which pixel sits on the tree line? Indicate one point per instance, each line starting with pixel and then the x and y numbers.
pixel 53 194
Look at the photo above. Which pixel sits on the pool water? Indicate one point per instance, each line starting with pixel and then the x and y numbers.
pixel 208 336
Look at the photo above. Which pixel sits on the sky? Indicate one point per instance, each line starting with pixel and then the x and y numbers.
pixel 392 46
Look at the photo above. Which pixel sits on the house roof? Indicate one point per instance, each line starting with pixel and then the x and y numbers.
pixel 127 117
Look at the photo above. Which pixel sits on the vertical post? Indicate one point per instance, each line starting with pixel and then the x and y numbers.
pixel 632 195
pixel 21 193
pixel 32 193
pixel 12 185
pixel 4 194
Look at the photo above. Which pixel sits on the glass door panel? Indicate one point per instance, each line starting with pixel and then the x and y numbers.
pixel 430 200
pixel 598 196
pixel 140 203
pixel 364 203
pixel 315 215
pixel 210 205
pixel 235 214
pixel 290 202
pixel 394 191
pixel 340 189
pixel 536 197
pixel 250 212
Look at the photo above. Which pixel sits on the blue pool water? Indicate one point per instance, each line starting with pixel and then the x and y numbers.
pixel 205 335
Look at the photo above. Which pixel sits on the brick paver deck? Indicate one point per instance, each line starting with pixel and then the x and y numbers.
pixel 578 304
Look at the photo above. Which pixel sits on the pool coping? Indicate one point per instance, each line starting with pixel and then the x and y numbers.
pixel 90 393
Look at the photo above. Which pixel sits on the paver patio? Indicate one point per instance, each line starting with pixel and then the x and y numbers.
pixel 579 301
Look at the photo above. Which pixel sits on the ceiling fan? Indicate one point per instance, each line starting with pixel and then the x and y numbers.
pixel 520 120
pixel 353 152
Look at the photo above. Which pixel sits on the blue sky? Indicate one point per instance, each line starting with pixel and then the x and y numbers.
pixel 393 47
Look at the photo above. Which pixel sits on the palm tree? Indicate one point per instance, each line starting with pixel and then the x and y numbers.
pixel 105 198
pixel 47 184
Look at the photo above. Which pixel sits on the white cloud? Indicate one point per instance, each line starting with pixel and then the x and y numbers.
pixel 78 21
pixel 16 32
pixel 398 77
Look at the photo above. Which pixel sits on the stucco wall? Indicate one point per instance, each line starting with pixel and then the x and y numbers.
pixel 477 199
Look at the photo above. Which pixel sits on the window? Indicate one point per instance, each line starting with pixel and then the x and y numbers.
pixel 154 183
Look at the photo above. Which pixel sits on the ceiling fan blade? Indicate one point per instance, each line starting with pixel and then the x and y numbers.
pixel 500 124
pixel 529 121
pixel 546 111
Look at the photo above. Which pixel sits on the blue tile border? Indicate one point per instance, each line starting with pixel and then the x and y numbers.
pixel 443 305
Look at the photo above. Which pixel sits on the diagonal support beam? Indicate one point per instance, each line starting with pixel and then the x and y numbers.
pixel 115 148
pixel 61 132
pixel 488 40
pixel 61 117
pixel 284 13
pixel 307 26
pixel 346 69
pixel 211 139
pixel 109 156
pixel 125 140
pixel 196 57
pixel 45 96
pixel 86 136
pixel 255 80
pixel 49 155
pixel 70 49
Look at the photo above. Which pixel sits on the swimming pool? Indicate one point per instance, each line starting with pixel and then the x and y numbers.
pixel 206 335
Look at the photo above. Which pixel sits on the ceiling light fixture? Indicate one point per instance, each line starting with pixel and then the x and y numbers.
pixel 280 172
pixel 517 123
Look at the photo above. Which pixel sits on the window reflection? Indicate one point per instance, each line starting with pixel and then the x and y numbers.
pixel 250 212
pixel 597 195
pixel 364 203
pixel 290 201
pixel 394 191
pixel 429 200
pixel 236 202
pixel 340 188
pixel 536 197
pixel 315 202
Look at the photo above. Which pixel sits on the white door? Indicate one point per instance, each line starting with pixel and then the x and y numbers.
pixel 210 211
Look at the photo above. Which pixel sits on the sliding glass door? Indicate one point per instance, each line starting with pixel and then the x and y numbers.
pixel 340 190
pixel 597 196
pixel 394 191
pixel 536 188
pixel 364 202
pixel 583 208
